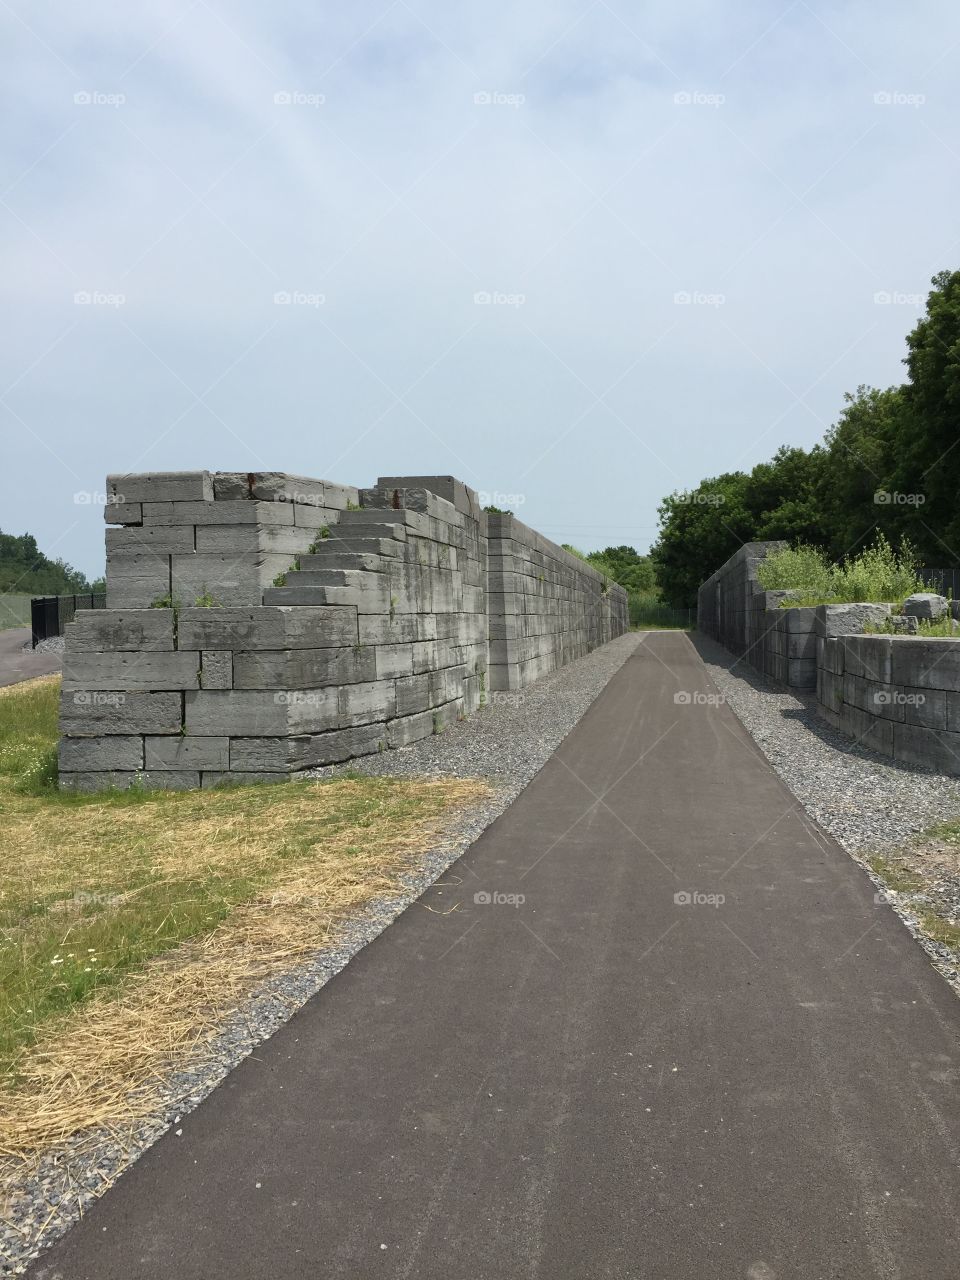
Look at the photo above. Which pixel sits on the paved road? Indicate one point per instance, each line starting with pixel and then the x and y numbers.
pixel 601 1081
pixel 18 664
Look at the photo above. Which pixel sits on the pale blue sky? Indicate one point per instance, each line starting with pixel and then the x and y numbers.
pixel 782 164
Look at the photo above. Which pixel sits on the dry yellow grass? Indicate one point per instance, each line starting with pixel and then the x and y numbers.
pixel 102 1061
pixel 133 925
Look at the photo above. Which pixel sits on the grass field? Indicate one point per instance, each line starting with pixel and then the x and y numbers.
pixel 130 922
pixel 14 610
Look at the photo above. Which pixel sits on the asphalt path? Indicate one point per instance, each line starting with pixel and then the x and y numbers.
pixel 653 1025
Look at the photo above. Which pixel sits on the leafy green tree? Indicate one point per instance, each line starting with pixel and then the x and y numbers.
pixel 24 569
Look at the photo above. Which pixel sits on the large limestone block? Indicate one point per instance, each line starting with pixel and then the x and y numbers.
pixel 304 668
pixel 186 752
pixel 97 754
pixel 130 671
pixel 216 513
pixel 160 486
pixel 89 713
pixel 268 627
pixel 101 630
pixel 925 604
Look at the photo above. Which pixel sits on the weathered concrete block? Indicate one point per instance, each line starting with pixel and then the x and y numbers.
pixel 98 754
pixel 868 730
pixel 136 581
pixel 304 668
pixel 215 779
pixel 152 780
pixel 216 669
pixel 363 703
pixel 185 752
pixel 130 671
pixel 232 579
pixel 161 486
pixel 270 486
pixel 267 628
pixel 927 707
pixel 848 619
pixel 87 714
pixel 925 604
pixel 123 512
pixel 413 694
pixel 103 630
pixel 801 673
pixel 869 657
pixel 410 728
pixel 237 539
pixel 216 513
pixel 393 660
pixel 140 539
pixel 926 664
pixel 236 713
pixel 928 748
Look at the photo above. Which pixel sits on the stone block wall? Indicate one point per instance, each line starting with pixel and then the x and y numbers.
pixel 260 625
pixel 545 606
pixel 734 609
pixel 897 695
pixel 186 535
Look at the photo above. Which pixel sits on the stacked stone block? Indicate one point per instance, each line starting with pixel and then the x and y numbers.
pixel 262 624
pixel 190 535
pixel 897 695
pixel 545 606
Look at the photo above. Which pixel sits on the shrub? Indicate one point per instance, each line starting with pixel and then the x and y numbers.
pixel 876 574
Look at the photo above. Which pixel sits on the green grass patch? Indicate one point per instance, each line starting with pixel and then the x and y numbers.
pixel 94 887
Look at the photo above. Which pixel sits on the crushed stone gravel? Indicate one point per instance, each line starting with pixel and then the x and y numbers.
pixel 869 804
pixel 54 644
pixel 507 743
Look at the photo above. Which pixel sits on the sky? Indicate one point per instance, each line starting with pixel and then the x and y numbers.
pixel 580 255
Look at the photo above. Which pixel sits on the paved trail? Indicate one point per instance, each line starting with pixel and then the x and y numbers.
pixel 17 663
pixel 601 1081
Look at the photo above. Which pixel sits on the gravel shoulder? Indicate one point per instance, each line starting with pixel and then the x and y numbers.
pixel 878 811
pixel 507 743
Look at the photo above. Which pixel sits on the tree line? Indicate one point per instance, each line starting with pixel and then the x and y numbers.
pixel 890 465
pixel 25 570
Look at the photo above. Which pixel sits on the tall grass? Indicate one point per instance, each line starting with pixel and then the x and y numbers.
pixel 877 574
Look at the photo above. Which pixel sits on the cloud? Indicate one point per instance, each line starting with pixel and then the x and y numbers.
pixel 400 158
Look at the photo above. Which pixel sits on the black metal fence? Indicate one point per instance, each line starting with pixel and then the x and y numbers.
pixel 50 614
pixel 946 581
